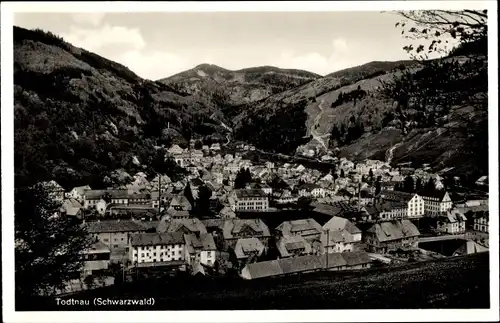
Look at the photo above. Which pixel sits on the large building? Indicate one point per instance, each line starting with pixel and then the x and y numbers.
pixel 309 229
pixel 452 222
pixel 436 202
pixel 235 229
pixel 388 211
pixel 96 258
pixel 481 222
pixel 200 249
pixel 385 236
pixel 115 235
pixel 414 202
pixel 251 200
pixel 156 247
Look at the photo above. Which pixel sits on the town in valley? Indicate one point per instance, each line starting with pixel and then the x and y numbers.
pixel 342 185
pixel 236 212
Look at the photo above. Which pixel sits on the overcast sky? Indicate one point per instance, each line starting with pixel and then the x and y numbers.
pixel 157 45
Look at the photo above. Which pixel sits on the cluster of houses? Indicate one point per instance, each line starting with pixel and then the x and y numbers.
pixel 150 222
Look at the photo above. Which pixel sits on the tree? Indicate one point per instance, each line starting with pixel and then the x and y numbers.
pixel 188 193
pixel 418 185
pixel 378 187
pixel 408 185
pixel 239 181
pixel 48 247
pixel 198 145
pixel 448 88
pixel 203 202
pixel 430 185
pixel 363 179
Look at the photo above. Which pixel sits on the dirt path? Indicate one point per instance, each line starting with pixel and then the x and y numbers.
pixel 317 136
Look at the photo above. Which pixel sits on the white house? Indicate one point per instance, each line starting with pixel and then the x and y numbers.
pixel 251 200
pixel 313 190
pixel 436 202
pixel 414 202
pixel 340 224
pixel 157 247
pixel 451 221
pixel 175 150
pixel 337 241
pixel 481 222
pixel 77 193
pixel 200 249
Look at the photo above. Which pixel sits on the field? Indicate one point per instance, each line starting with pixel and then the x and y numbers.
pixel 450 283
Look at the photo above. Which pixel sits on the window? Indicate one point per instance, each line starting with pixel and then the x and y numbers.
pixel 115 246
pixel 105 240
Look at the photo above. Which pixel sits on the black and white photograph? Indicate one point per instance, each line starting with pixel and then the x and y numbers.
pixel 174 158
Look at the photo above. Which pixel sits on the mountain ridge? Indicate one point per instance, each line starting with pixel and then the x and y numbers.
pixel 79 116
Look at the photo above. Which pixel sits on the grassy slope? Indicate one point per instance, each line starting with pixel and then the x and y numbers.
pixel 79 115
pixel 423 145
pixel 449 283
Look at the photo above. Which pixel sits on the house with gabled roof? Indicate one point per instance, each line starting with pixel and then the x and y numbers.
pixel 470 247
pixel 186 226
pixel 200 249
pixel 227 213
pixel 175 150
pixel 115 234
pixel 451 222
pixel 482 221
pixel 340 224
pixel 309 229
pixel 335 241
pixel 235 229
pixel 180 203
pixel 71 207
pixel 293 246
pixel 385 236
pixel 78 192
pixel 248 250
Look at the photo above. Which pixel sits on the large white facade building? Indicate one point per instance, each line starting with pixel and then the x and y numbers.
pixel 157 247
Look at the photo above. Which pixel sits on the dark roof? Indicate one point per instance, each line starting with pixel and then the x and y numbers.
pixel 235 226
pixel 397 196
pixel 394 230
pixel 304 264
pixel 308 186
pixel 98 194
pixel 204 242
pixel 156 239
pixel 337 223
pixel 192 225
pixel 438 194
pixel 114 226
pixel 303 226
pixel 248 193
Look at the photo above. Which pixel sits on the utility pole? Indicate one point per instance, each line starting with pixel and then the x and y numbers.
pixel 359 197
pixel 159 194
pixel 327 245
